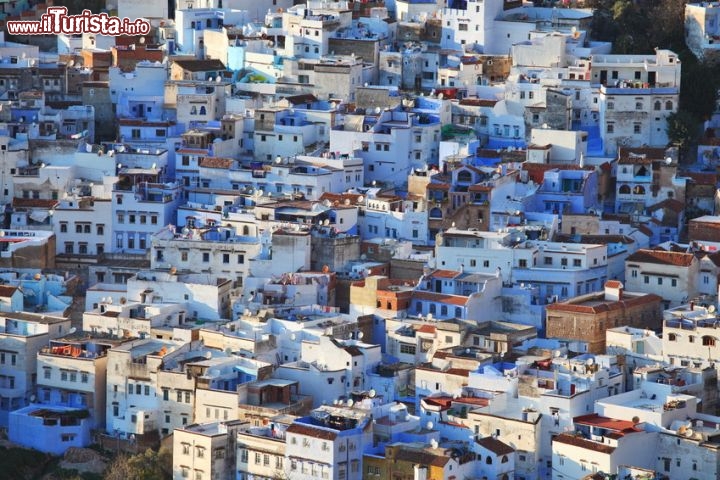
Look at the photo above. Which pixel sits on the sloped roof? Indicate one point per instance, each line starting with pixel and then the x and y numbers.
pixel 662 257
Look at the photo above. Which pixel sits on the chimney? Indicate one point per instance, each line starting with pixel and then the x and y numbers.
pixel 613 291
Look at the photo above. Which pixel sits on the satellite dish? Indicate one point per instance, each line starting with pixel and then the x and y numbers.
pixel 326 222
pixel 293 337
pixel 429 425
pixel 590 362
pixel 711 309
pixel 668 160
pixel 372 393
pixel 434 443
pixel 360 335
pixel 378 110
pixel 335 402
pixel 361 199
pixel 350 403
pixel 154 166
pixel 32 398
pixel 278 160
pixel 557 353
pixel 72 330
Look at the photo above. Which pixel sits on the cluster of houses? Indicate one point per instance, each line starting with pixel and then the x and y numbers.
pixel 341 240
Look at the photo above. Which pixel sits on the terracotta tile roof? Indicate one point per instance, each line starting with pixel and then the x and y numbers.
pixel 426 329
pixel 669 203
pixel 479 188
pixel 495 446
pixel 578 441
pixel 310 431
pixel 640 155
pixel 536 171
pixel 300 99
pixel 353 351
pixel 34 203
pixel 613 284
pixel 216 162
pixel 604 306
pixel 7 291
pixel 662 257
pixel 341 197
pixel 460 372
pixel 596 420
pixel 441 298
pixel 442 402
pixel 702 178
pixel 444 274
pixel 478 102
pixel 421 457
pixel 197 65
pixel 438 186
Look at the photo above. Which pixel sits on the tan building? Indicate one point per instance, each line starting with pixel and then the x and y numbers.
pixel 585 319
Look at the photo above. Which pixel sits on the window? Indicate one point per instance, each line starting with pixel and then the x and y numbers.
pixel 84 377
pixel 226 258
pixel 708 341
pixel 548 261
pixel 408 349
pixel 610 128
pixel 646 279
pixel 659 280
pixel 637 128
pixel 206 257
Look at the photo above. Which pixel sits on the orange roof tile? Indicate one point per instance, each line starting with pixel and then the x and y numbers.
pixel 662 257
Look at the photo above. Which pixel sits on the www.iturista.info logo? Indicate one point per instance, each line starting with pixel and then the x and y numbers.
pixel 57 21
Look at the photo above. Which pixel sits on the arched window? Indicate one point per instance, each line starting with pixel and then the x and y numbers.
pixel 464 176
pixel 458 312
pixel 639 190
pixel 708 341
pixel 488 460
pixel 193 110
pixel 443 310
pixel 504 459
pixel 246 230
pixel 432 308
pixel 668 105
pixel 658 105
pixel 202 110
pixel 435 213
pixel 624 189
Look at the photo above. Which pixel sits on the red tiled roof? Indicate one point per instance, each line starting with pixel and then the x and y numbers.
pixel 662 257
pixel 578 441
pixel 495 446
pixel 444 274
pixel 613 284
pixel 34 203
pixel 216 162
pixel 441 298
pixel 640 155
pixel 596 420
pixel 310 431
pixel 7 291
pixel 702 178
pixel 426 329
pixel 604 306
pixel 536 171
pixel 669 203
pixel 438 186
pixel 420 457
pixel 460 372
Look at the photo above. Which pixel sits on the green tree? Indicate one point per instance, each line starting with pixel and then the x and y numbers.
pixel 682 130
pixel 150 465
